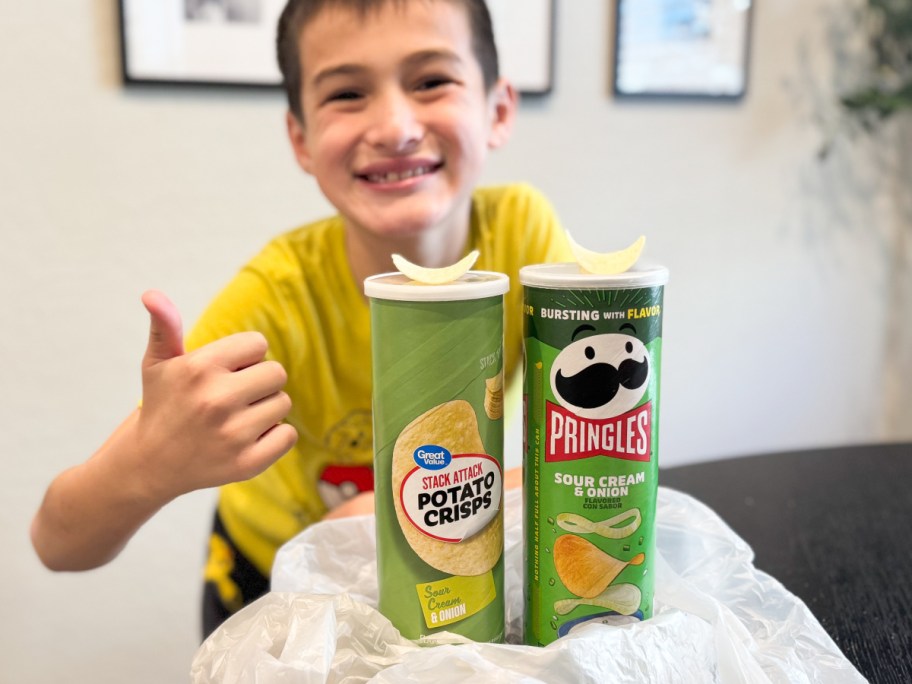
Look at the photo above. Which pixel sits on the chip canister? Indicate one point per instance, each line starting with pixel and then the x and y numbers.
pixel 437 364
pixel 593 349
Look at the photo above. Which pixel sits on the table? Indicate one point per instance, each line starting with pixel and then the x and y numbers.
pixel 835 527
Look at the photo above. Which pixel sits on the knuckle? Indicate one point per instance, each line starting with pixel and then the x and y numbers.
pixel 291 436
pixel 215 407
pixel 196 367
pixel 253 458
pixel 256 340
pixel 273 373
pixel 281 375
pixel 231 438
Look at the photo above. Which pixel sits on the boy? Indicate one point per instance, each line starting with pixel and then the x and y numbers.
pixel 394 105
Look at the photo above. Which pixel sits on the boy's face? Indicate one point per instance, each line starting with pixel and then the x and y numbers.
pixel 397 122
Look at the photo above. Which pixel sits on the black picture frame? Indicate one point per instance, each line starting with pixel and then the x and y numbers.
pixel 681 49
pixel 199 42
pixel 230 43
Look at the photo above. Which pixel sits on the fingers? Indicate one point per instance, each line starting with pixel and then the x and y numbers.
pixel 271 445
pixel 166 338
pixel 260 381
pixel 247 403
pixel 214 415
pixel 235 352
pixel 266 413
pixel 250 400
pixel 165 329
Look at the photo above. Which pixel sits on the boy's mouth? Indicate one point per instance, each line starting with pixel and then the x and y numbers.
pixel 395 176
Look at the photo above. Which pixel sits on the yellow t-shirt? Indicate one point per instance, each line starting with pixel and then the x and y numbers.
pixel 300 293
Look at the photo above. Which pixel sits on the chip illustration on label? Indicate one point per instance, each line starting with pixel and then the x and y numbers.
pixel 449 516
pixel 494 397
pixel 585 569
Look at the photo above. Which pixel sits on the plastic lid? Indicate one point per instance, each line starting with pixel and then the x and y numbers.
pixel 570 275
pixel 472 285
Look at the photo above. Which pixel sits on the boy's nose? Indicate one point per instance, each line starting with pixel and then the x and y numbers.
pixel 395 125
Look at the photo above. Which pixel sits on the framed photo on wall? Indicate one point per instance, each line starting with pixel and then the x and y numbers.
pixel 681 48
pixel 227 42
pixel 232 42
pixel 524 33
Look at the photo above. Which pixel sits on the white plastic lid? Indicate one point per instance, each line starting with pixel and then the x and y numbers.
pixel 472 285
pixel 570 275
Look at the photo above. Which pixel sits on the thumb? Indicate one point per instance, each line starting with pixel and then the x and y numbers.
pixel 165 330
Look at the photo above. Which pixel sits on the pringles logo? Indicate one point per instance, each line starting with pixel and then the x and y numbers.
pixel 598 382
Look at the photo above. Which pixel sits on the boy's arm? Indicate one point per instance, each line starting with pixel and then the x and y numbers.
pixel 90 511
pixel 208 418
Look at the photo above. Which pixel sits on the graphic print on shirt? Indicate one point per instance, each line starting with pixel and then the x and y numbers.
pixel 351 442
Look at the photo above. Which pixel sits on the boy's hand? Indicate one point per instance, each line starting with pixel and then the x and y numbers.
pixel 360 504
pixel 513 478
pixel 209 417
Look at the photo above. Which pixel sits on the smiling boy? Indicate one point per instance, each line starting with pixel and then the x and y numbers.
pixel 393 108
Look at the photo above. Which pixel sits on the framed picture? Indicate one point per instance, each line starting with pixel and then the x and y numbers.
pixel 232 42
pixel 227 42
pixel 681 48
pixel 524 33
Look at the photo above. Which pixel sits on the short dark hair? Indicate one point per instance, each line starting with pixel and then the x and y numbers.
pixel 298 13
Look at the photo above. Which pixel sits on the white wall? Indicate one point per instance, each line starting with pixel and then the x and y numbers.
pixel 776 311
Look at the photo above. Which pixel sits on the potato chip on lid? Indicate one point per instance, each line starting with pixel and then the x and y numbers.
pixel 435 276
pixel 607 263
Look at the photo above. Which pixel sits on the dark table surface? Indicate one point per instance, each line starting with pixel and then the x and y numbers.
pixel 835 527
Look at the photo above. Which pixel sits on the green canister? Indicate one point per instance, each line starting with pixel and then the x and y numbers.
pixel 437 353
pixel 593 350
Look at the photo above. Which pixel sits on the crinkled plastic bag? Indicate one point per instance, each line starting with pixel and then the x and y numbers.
pixel 716 619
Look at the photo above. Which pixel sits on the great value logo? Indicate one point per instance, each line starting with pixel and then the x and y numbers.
pixel 432 457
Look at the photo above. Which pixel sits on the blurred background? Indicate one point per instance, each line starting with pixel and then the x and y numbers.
pixel 785 225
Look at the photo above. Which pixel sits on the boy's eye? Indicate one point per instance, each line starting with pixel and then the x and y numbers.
pixel 343 95
pixel 433 82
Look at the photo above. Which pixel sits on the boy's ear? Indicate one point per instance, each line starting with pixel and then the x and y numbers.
pixel 298 138
pixel 504 102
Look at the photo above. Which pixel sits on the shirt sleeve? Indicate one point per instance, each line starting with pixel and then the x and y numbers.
pixel 251 301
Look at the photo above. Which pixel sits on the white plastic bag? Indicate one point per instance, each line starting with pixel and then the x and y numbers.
pixel 716 619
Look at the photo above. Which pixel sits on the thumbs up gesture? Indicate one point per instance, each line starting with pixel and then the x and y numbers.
pixel 211 416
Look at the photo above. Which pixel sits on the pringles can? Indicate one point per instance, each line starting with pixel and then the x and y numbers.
pixel 593 350
pixel 437 354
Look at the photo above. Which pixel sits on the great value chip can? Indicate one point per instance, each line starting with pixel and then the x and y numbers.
pixel 437 354
pixel 593 350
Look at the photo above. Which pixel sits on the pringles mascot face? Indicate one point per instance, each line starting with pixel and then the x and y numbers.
pixel 601 376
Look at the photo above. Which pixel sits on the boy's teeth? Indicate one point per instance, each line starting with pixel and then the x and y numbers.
pixel 393 176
